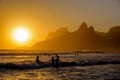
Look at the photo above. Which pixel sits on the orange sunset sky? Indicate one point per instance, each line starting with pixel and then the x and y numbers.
pixel 39 17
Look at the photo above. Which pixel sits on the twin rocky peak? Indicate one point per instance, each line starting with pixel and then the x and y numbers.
pixel 84 38
pixel 63 31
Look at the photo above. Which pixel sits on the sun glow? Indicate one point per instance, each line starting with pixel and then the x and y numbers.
pixel 21 35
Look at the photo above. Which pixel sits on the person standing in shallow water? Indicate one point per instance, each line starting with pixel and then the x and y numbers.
pixel 53 62
pixel 57 62
pixel 37 59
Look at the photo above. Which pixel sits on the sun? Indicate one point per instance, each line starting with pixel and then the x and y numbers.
pixel 21 35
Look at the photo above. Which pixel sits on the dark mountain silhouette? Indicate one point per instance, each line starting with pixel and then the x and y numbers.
pixel 85 38
pixel 59 32
pixel 113 35
pixel 101 33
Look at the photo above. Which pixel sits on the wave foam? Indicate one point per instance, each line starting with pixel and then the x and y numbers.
pixel 62 64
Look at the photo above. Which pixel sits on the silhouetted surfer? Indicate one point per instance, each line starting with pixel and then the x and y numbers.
pixel 37 59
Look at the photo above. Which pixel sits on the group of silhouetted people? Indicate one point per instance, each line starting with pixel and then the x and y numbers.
pixel 55 61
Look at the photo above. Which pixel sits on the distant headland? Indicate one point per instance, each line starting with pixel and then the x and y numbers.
pixel 85 38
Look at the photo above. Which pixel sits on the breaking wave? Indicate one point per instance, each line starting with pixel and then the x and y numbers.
pixel 62 64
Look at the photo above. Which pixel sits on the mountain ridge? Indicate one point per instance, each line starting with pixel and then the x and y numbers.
pixel 85 38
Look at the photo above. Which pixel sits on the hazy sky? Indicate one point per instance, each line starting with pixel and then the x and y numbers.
pixel 43 16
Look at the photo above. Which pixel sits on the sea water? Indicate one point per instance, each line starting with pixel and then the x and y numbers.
pixel 106 71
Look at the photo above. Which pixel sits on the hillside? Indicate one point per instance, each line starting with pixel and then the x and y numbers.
pixel 59 32
pixel 85 38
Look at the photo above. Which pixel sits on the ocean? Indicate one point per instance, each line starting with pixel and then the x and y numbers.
pixel 85 66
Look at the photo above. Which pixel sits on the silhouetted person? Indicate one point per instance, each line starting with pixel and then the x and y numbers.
pixel 49 54
pixel 37 59
pixel 57 62
pixel 53 62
